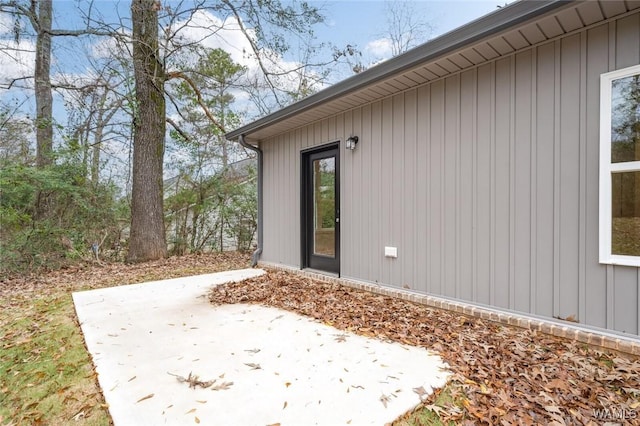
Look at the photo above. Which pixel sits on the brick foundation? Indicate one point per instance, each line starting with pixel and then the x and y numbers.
pixel 559 329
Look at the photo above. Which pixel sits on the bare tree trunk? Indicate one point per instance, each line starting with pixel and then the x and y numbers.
pixel 95 154
pixel 221 233
pixel 44 99
pixel 223 140
pixel 147 239
pixel 79 134
pixel 194 230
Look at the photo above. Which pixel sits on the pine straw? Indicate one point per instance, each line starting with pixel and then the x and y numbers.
pixel 501 374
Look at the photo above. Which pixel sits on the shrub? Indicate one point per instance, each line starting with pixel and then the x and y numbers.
pixel 76 214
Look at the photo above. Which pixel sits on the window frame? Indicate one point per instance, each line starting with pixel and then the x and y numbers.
pixel 607 168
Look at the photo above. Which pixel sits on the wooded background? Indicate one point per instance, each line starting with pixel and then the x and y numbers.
pixel 150 110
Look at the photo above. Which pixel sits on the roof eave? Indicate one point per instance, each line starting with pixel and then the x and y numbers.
pixel 474 31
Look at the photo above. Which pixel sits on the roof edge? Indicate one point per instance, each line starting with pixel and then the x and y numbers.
pixel 471 32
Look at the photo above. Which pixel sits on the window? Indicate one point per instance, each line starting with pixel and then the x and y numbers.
pixel 620 167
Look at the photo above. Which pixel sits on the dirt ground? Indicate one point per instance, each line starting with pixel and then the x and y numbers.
pixel 85 276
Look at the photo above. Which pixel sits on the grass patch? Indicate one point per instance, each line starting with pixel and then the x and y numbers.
pixel 46 374
pixel 427 414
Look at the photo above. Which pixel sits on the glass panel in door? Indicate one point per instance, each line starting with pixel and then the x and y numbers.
pixel 324 207
pixel 320 201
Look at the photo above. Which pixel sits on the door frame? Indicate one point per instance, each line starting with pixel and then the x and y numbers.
pixel 306 205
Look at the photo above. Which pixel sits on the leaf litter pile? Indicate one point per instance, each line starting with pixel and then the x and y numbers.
pixel 500 374
pixel 90 275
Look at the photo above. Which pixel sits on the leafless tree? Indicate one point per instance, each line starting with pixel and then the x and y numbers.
pixel 92 110
pixel 39 14
pixel 15 132
pixel 266 26
pixel 271 28
pixel 406 26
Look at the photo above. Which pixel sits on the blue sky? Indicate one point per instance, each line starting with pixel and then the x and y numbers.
pixel 359 21
pixel 355 22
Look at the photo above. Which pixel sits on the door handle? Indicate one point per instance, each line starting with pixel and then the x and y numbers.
pixel 337 220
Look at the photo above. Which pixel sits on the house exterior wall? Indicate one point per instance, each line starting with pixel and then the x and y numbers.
pixel 486 181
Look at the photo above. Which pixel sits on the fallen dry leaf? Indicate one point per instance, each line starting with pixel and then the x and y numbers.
pixel 420 391
pixel 436 409
pixel 193 381
pixel 222 386
pixel 253 366
pixel 384 399
pixel 503 374
pixel 145 397
pixel 82 276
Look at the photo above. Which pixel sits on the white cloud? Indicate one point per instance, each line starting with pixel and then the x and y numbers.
pixel 16 59
pixel 212 32
pixel 109 47
pixel 6 24
pixel 380 48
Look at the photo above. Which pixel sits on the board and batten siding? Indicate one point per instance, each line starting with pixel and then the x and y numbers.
pixel 486 181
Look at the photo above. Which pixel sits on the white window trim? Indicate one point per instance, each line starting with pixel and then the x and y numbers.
pixel 607 168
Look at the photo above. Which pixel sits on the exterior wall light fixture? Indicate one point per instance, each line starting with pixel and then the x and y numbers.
pixel 352 141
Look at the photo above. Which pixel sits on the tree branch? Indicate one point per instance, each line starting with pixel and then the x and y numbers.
pixel 86 31
pixel 254 47
pixel 178 74
pixel 32 15
pixel 178 129
pixel 13 81
pixel 67 86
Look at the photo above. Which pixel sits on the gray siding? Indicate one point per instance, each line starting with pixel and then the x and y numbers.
pixel 486 181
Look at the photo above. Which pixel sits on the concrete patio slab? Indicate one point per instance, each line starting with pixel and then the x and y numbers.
pixel 268 366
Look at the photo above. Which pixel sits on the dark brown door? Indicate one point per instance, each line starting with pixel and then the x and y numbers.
pixel 321 209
